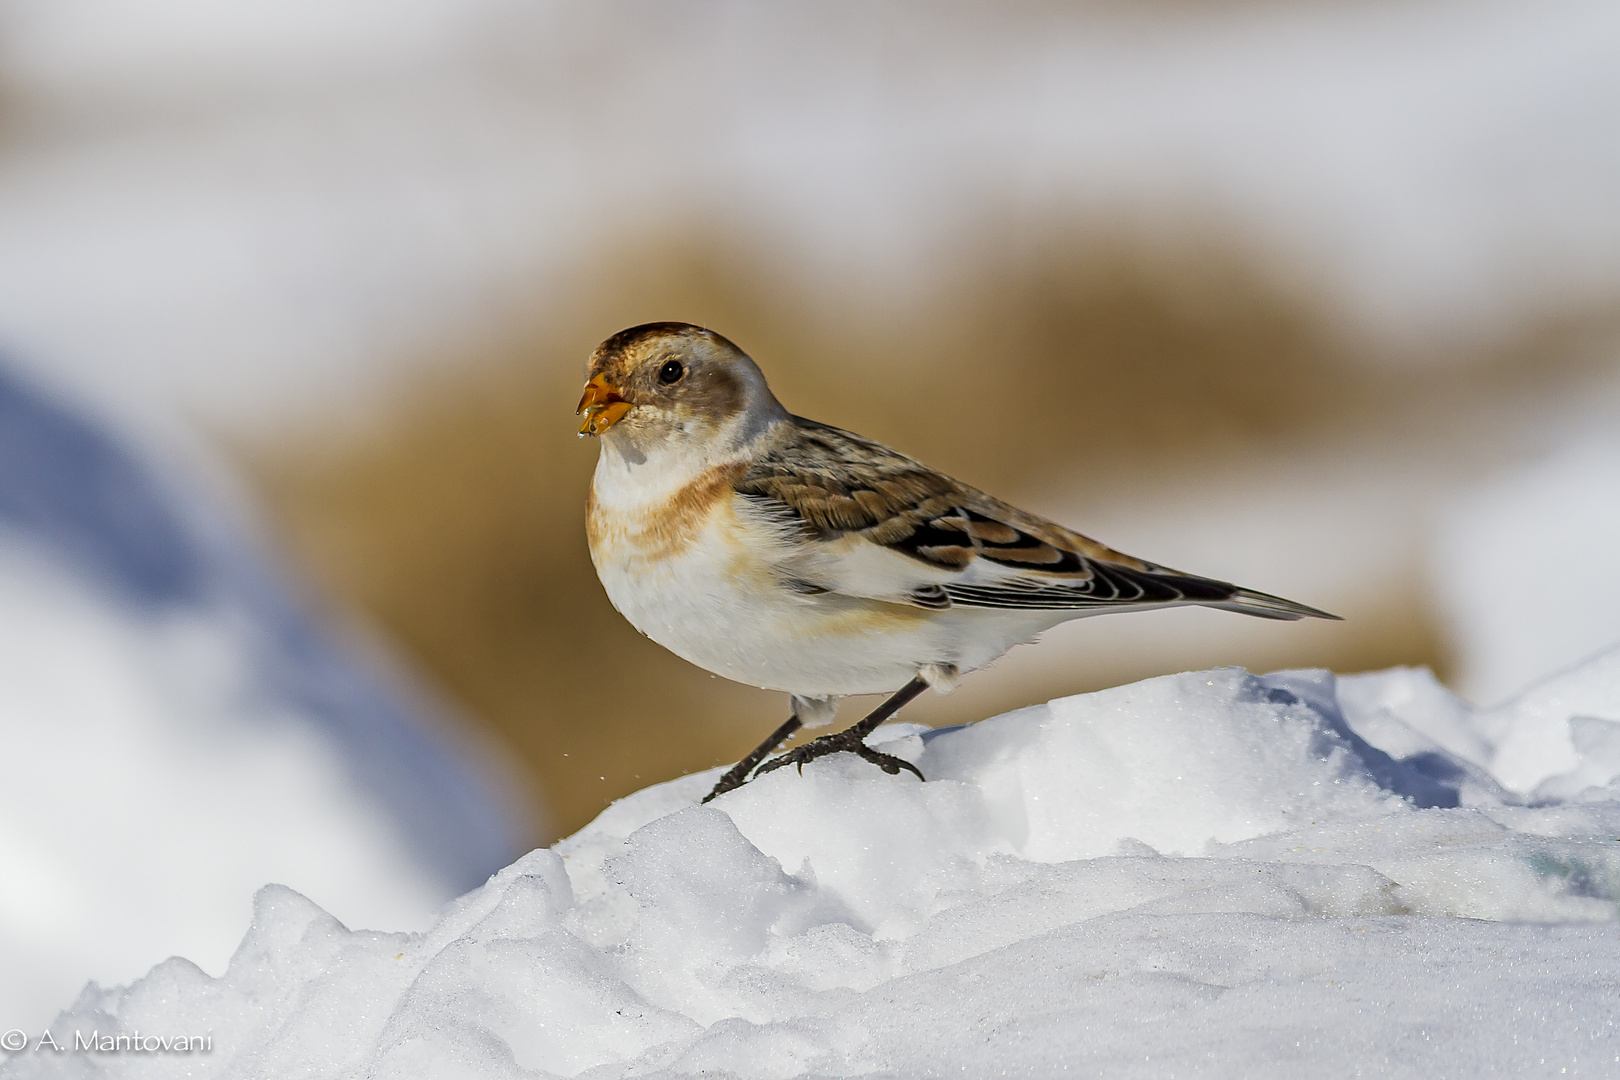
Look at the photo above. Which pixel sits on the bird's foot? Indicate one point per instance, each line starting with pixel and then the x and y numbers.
pixel 737 775
pixel 848 740
pixel 735 778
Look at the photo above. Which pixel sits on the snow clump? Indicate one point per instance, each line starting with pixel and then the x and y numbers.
pixel 1210 873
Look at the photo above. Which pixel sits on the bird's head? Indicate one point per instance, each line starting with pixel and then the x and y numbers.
pixel 675 382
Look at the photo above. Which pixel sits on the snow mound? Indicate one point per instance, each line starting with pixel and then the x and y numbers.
pixel 1272 873
pixel 1558 739
pixel 180 729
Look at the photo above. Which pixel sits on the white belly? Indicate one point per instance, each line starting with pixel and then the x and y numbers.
pixel 723 609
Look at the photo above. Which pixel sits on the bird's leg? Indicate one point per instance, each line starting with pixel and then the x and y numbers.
pixel 738 774
pixel 853 738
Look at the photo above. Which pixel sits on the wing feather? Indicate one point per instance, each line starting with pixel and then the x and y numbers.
pixel 968 548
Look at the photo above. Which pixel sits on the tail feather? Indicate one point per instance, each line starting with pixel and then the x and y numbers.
pixel 1265 606
pixel 1114 586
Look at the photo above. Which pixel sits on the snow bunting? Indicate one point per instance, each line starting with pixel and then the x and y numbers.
pixel 795 556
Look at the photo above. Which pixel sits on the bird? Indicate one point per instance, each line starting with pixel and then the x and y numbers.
pixel 799 557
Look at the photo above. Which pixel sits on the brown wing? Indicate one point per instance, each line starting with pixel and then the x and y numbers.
pixel 835 483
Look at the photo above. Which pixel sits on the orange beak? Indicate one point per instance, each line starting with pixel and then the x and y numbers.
pixel 602 406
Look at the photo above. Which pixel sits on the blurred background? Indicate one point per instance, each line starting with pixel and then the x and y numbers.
pixel 1319 296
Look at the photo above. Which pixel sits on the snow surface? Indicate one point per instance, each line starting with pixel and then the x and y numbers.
pixel 178 729
pixel 1210 874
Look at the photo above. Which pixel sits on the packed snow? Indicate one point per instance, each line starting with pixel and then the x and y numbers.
pixel 179 729
pixel 1213 874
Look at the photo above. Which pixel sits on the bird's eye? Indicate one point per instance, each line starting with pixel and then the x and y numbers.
pixel 671 372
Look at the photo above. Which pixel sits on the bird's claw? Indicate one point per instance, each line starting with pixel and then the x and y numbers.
pixel 834 744
pixel 889 763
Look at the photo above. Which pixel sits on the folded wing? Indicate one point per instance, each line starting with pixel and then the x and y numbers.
pixel 873 522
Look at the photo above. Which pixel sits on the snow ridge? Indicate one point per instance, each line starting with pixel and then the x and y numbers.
pixel 1211 872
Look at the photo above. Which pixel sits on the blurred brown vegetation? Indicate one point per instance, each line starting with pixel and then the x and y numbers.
pixel 1059 362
